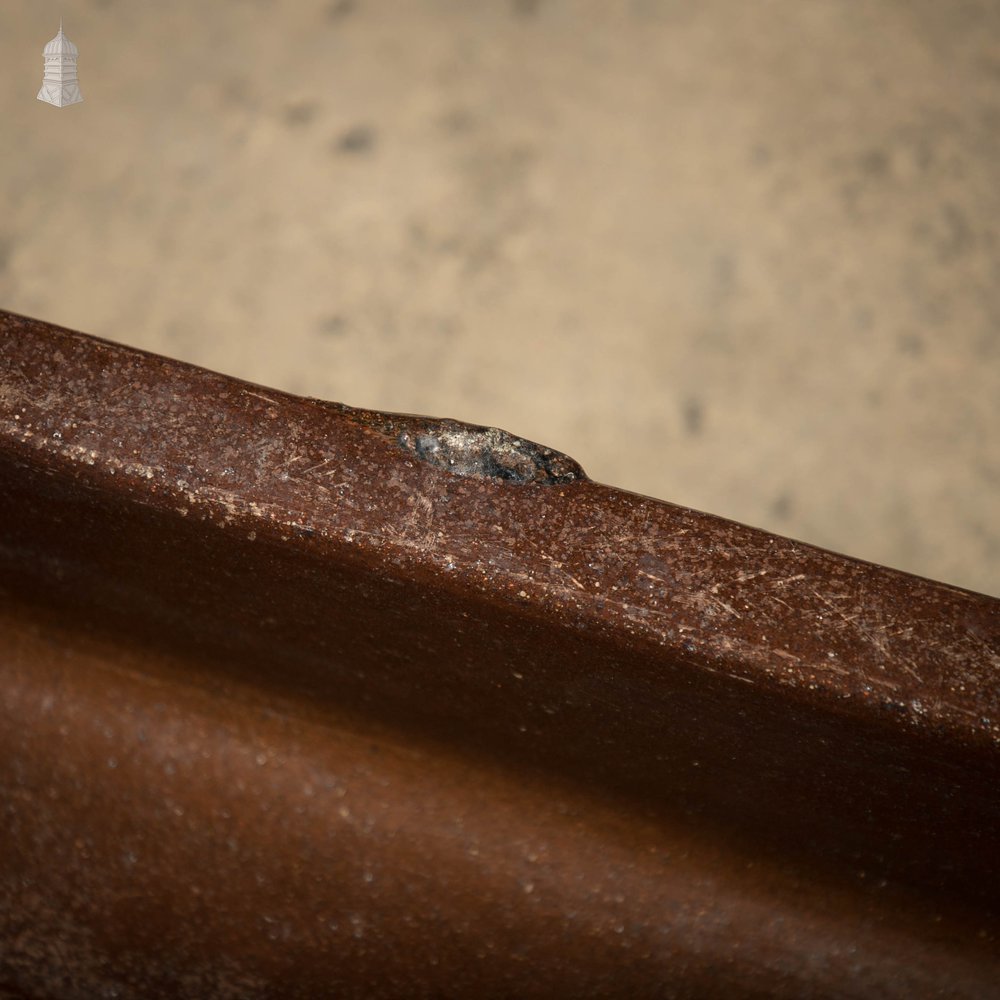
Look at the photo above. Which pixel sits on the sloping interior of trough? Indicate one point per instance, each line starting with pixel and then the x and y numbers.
pixel 304 700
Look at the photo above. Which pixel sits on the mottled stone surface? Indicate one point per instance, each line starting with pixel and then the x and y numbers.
pixel 742 257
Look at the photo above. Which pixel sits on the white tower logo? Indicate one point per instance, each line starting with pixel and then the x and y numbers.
pixel 60 86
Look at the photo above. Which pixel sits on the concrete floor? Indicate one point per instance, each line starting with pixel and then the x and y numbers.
pixel 743 257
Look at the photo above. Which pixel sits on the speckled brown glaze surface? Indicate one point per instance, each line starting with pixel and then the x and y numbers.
pixel 300 700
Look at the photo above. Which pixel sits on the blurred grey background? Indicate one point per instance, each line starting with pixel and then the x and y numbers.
pixel 740 256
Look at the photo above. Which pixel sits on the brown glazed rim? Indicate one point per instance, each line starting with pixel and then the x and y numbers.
pixel 403 706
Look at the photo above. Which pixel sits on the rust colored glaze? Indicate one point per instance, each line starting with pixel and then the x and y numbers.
pixel 298 700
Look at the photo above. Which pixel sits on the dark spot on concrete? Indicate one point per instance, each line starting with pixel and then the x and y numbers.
pixel 484 452
pixel 340 9
pixel 911 344
pixel 987 344
pixel 874 162
pixel 922 150
pixel 417 232
pixel 990 66
pixel 694 415
pixel 850 193
pixel 356 140
pixel 525 8
pixel 237 91
pixel 6 246
pixel 300 112
pixel 781 506
pixel 958 237
pixel 760 155
pixel 724 276
pixel 448 327
pixel 333 326
pixel 458 121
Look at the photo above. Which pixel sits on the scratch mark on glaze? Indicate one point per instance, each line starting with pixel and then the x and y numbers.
pixel 259 395
pixel 877 637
